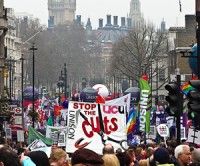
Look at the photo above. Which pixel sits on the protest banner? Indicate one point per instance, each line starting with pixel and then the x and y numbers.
pixel 193 136
pixel 8 133
pixel 33 134
pixel 36 144
pixel 144 105
pixel 163 130
pixel 91 125
pixel 20 135
pixel 46 149
pixel 152 133
pixel 121 101
pixel 57 134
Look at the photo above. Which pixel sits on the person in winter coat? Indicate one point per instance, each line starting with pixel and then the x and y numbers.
pixel 161 157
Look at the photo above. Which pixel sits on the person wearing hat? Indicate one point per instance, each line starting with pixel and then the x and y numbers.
pixel 40 158
pixel 161 157
pixel 83 157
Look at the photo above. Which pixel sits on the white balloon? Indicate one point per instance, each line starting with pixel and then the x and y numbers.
pixel 102 90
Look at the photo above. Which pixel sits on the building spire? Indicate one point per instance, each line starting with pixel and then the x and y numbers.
pixel 135 14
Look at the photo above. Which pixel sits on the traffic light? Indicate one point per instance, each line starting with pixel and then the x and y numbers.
pixel 174 99
pixel 194 103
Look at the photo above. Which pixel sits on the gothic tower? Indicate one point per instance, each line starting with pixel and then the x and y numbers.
pixel 135 14
pixel 61 11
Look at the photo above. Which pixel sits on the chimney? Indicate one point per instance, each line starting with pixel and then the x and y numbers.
pixel 100 23
pixel 51 22
pixel 115 22
pixel 108 20
pixel 78 19
pixel 123 22
pixel 129 22
pixel 190 23
pixel 89 25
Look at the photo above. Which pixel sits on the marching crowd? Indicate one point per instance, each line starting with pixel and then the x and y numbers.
pixel 163 154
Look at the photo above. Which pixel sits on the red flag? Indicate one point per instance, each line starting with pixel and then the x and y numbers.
pixel 62 98
pixel 100 99
pixel 145 77
pixel 57 109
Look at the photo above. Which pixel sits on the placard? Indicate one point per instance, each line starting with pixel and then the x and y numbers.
pixel 193 136
pixel 37 144
pixel 152 133
pixel 20 135
pixel 18 120
pixel 91 125
pixel 163 130
pixel 8 132
pixel 57 134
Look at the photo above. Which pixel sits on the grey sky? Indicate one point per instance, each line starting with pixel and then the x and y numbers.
pixel 153 10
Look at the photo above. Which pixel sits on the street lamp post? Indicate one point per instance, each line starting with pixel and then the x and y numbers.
pixel 22 88
pixel 198 36
pixel 157 73
pixel 151 81
pixel 10 77
pixel 13 79
pixel 33 49
pixel 114 86
pixel 65 79
pixel 178 120
pixel 61 78
pixel 58 84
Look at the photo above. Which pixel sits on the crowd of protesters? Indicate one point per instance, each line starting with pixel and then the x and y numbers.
pixel 163 154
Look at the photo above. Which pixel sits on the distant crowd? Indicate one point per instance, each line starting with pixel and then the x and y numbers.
pixel 163 154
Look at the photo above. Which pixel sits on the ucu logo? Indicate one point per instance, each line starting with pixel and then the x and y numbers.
pixel 113 109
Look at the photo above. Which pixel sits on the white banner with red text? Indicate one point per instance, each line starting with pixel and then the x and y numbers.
pixel 92 125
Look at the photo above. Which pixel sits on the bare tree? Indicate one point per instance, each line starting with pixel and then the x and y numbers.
pixel 93 52
pixel 58 46
pixel 62 44
pixel 133 54
pixel 28 30
pixel 70 45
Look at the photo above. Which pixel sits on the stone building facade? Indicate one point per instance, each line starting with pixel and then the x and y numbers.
pixel 182 37
pixel 61 12
pixel 135 14
pixel 3 30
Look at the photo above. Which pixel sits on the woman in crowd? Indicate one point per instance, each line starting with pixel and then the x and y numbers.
pixel 110 160
pixel 40 158
pixel 58 157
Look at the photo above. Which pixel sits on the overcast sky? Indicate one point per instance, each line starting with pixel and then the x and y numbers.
pixel 153 10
